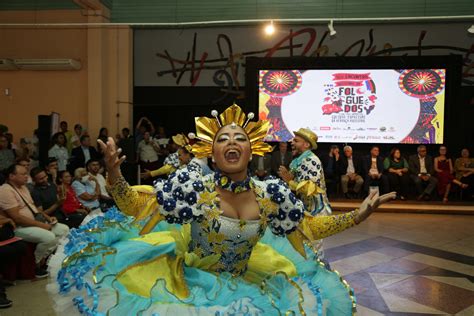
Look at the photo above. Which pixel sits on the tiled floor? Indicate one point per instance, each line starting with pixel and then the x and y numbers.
pixel 398 264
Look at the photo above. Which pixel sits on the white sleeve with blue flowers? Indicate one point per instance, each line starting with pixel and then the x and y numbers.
pixel 290 210
pixel 178 195
pixel 311 169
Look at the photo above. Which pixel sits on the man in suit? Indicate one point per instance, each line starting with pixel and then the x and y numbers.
pixel 281 157
pixel 350 169
pixel 82 154
pixel 422 172
pixel 261 166
pixel 373 171
pixel 330 166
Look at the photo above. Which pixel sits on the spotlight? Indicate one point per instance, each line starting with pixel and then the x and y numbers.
pixel 332 31
pixel 269 28
pixel 471 29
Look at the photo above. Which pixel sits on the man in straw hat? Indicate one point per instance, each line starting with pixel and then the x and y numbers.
pixel 306 176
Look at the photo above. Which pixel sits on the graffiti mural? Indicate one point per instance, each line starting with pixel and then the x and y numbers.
pixel 216 56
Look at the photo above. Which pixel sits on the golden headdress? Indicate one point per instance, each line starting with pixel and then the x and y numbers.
pixel 207 128
pixel 182 141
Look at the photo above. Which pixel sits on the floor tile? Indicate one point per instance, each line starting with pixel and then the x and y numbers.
pixel 434 294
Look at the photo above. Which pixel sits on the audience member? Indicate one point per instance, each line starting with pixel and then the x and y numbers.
pixel 11 143
pixel 67 135
pixel 464 167
pixel 147 153
pixel 421 171
pixel 397 172
pixel 350 169
pixel 45 195
pixel 59 151
pixel 444 173
pixel 27 164
pixel 7 156
pixel 87 189
pixel 11 250
pixel 93 167
pixel 76 137
pixel 261 166
pixel 32 224
pixel 103 136
pixel 128 167
pixel 73 210
pixel 331 172
pixel 373 171
pixel 82 154
pixel 280 157
pixel 143 125
pixel 52 169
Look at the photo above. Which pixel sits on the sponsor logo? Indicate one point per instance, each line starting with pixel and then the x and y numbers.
pixel 325 128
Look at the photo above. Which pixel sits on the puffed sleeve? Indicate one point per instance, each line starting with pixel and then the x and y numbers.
pixel 287 211
pixel 179 194
pixel 309 176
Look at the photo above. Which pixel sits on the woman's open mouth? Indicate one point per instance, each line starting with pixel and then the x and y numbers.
pixel 232 155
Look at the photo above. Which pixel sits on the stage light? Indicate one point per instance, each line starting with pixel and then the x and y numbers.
pixel 332 31
pixel 471 29
pixel 270 28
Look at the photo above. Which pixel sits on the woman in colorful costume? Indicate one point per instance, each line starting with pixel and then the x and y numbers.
pixel 199 245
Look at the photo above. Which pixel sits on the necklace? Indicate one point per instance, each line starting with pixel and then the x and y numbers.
pixel 228 184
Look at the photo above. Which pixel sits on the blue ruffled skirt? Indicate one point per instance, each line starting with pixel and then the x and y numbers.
pixel 106 267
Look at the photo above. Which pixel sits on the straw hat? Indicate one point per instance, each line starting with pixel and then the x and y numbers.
pixel 309 136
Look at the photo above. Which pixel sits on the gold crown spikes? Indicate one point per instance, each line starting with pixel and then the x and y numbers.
pixel 207 128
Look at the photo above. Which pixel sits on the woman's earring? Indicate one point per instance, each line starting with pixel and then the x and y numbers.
pixel 250 159
pixel 213 160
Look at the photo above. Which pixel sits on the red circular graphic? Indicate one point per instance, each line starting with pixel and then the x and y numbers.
pixel 280 83
pixel 422 83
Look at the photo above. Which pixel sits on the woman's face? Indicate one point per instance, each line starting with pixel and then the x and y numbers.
pixel 66 178
pixel 231 150
pixel 465 153
pixel 183 156
pixel 442 150
pixel 61 140
pixel 396 154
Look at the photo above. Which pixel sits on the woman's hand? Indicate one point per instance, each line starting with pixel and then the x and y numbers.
pixel 371 203
pixel 111 159
pixel 145 175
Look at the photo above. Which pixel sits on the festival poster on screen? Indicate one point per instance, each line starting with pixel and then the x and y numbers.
pixel 357 106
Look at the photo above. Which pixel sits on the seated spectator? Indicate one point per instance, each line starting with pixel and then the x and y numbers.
pixel 59 151
pixel 76 137
pixel 7 156
pixel 73 210
pixel 25 162
pixel 45 196
pixel 10 253
pixel 350 169
pixel 82 154
pixel 397 172
pixel 52 170
pixel 464 167
pixel 87 189
pixel 261 166
pixel 373 169
pixel 444 173
pixel 281 157
pixel 32 224
pixel 93 167
pixel 331 172
pixel 421 171
pixel 11 144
